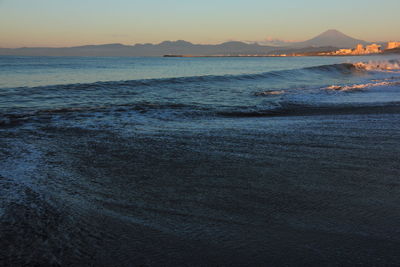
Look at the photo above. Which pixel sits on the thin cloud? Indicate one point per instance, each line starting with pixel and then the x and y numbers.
pixel 117 35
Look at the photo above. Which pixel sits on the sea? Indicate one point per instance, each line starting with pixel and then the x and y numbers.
pixel 214 161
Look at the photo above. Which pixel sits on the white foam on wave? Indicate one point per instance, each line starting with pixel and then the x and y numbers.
pixel 387 66
pixel 355 87
pixel 270 93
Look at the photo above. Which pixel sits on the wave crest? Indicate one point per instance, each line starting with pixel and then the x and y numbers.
pixel 344 68
pixel 357 87
pixel 389 65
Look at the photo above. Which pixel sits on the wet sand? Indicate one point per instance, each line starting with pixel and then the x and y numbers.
pixel 282 191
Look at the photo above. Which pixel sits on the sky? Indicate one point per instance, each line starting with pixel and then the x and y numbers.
pixel 58 23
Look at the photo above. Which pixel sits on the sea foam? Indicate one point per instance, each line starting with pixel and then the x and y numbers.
pixel 356 87
pixel 390 65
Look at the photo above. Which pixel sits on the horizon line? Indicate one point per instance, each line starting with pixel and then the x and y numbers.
pixel 258 42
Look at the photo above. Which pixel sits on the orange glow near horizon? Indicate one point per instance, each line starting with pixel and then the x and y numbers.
pixel 62 23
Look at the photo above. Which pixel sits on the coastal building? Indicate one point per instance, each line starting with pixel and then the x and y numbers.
pixel 359 50
pixel 344 52
pixel 373 49
pixel 393 45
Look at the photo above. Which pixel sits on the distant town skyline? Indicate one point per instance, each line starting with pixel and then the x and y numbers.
pixel 64 23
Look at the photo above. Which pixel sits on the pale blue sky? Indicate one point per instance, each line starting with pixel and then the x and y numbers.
pixel 77 22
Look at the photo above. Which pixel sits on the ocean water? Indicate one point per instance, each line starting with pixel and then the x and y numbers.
pixel 184 89
pixel 199 161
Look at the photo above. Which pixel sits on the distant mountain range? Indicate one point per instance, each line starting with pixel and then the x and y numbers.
pixel 327 41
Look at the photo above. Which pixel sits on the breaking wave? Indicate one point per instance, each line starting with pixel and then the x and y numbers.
pixel 389 65
pixel 345 68
pixel 358 87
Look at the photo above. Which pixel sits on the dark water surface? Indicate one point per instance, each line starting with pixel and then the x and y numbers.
pixel 199 162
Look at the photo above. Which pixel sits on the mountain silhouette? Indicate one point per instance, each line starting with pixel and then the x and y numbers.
pixel 327 41
pixel 331 38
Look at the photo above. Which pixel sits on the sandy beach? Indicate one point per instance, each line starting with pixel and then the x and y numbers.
pixel 305 190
